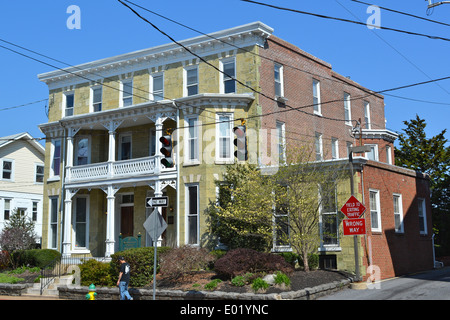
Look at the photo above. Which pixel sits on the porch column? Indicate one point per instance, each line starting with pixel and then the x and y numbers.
pixel 111 126
pixel 110 220
pixel 67 242
pixel 71 132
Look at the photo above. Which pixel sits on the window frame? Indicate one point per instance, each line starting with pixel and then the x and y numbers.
pixel 6 209
pixel 191 156
pixel 347 109
pixel 52 224
pixel 121 149
pixel 400 227
pixel 88 157
pixel 76 248
pixel 327 213
pixel 126 95
pixel 375 212
pixel 157 95
pixel 55 174
pixel 281 141
pixel 279 81
pixel 227 78
pixel 10 171
pixel 218 156
pixel 334 148
pixel 189 214
pixel 422 214
pixel 318 146
pixel 188 85
pixel 316 96
pixel 96 105
pixel 68 93
pixel 367 115
pixel 38 174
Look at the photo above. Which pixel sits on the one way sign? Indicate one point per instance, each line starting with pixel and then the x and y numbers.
pixel 156 202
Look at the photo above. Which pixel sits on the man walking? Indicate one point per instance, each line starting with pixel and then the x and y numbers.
pixel 124 279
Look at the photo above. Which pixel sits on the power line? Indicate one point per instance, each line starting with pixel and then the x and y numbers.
pixel 347 20
pixel 404 13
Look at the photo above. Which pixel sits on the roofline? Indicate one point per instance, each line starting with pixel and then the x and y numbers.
pixel 29 139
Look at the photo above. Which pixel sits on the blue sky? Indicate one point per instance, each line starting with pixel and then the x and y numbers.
pixel 377 59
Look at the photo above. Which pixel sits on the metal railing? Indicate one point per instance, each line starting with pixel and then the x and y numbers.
pixel 60 267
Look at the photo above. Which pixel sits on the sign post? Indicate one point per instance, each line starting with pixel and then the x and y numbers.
pixel 155 226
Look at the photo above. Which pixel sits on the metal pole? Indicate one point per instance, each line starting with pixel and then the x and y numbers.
pixel 355 237
pixel 154 268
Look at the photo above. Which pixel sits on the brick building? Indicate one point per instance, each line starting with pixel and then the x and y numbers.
pixel 106 118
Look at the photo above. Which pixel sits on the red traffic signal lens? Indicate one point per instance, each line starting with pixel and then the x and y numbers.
pixel 239 131
pixel 165 140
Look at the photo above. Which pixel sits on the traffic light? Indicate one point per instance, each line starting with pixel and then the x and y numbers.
pixel 166 150
pixel 241 143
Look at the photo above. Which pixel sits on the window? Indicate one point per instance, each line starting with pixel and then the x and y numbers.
pixel 69 103
pixel 281 221
pixel 34 214
pixel 316 97
pixel 223 134
pixel 192 140
pixel 192 81
pixel 398 213
pixel 127 92
pixel 367 115
pixel 80 222
pixel 349 147
pixel 281 142
pixel 334 148
pixel 39 173
pixel 56 158
pixel 97 99
pixel 158 87
pixel 82 151
pixel 53 230
pixel 192 231
pixel 228 75
pixel 347 109
pixel 7 170
pixel 422 216
pixel 329 216
pixel 373 154
pixel 318 146
pixel 388 155
pixel 152 142
pixel 7 209
pixel 375 214
pixel 125 147
pixel 278 76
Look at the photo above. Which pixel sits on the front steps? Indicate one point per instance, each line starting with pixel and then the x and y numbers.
pixel 52 289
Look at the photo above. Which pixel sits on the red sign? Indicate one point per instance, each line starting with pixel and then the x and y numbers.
pixel 354 226
pixel 353 208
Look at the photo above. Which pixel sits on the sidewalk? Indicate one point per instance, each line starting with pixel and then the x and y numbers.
pixel 29 297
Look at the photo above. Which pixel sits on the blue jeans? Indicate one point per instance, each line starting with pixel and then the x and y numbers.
pixel 123 289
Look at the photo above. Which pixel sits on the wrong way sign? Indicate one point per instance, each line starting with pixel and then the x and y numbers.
pixel 354 227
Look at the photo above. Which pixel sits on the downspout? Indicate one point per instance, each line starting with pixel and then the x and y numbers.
pixel 63 178
pixel 178 187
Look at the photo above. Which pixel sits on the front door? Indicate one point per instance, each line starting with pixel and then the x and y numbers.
pixel 126 221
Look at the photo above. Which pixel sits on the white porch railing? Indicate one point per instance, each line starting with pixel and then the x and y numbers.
pixel 118 169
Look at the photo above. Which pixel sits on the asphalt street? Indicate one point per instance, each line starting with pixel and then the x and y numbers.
pixel 431 285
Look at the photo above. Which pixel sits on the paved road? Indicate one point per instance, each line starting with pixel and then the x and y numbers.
pixel 431 285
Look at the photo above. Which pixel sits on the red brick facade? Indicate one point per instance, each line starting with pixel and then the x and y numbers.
pixel 393 252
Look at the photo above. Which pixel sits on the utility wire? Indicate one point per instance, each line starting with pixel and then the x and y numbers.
pixel 347 20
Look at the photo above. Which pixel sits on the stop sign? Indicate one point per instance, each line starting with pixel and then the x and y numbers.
pixel 353 208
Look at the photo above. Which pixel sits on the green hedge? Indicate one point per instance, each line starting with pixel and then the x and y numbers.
pixel 141 264
pixel 34 257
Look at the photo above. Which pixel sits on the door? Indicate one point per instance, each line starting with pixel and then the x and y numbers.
pixel 126 221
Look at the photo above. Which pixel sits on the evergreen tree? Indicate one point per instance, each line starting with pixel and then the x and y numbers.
pixel 430 156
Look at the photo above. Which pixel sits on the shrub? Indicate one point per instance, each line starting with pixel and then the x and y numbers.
pixel 281 278
pixel 141 264
pixel 212 285
pixel 34 257
pixel 290 257
pixel 238 281
pixel 7 278
pixel 98 273
pixel 177 262
pixel 240 261
pixel 259 284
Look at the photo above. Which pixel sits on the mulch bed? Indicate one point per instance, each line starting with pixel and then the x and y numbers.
pixel 299 280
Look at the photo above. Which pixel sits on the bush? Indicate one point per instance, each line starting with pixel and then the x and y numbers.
pixel 240 261
pixel 281 278
pixel 212 285
pixel 141 264
pixel 34 257
pixel 290 257
pixel 98 273
pixel 259 284
pixel 177 262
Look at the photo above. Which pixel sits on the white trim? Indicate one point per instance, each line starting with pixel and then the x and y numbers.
pixel 401 229
pixel 75 155
pixel 347 105
pixel 377 211
pixel 151 85
pixel 316 85
pixel 422 205
pixel 185 84
pixel 187 204
pixel 64 103
pixel 74 216
pixel 91 97
pixel 122 135
pixel 11 179
pixel 218 158
pixel 281 80
pixel 222 75
pixel 49 233
pixel 187 146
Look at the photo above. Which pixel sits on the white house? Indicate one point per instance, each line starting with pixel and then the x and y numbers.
pixel 21 179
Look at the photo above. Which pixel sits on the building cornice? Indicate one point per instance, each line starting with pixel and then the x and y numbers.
pixel 241 36
pixel 383 134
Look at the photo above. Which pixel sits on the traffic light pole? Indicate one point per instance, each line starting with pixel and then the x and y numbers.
pixel 355 237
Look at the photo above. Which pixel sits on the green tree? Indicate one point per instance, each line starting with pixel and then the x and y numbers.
pixel 432 157
pixel 18 233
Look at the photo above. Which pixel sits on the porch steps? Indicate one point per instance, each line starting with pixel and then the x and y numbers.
pixel 52 288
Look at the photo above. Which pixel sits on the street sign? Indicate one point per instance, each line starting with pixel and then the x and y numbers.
pixel 353 208
pixel 354 227
pixel 155 225
pixel 156 202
